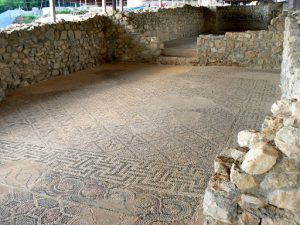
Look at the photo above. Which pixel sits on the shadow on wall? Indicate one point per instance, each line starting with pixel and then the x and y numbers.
pixel 240 18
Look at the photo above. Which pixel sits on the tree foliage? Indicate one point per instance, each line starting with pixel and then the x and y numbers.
pixel 14 4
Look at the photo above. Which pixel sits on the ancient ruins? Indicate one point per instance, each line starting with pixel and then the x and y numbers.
pixel 178 116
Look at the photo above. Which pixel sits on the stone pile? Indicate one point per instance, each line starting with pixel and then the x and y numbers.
pixel 259 181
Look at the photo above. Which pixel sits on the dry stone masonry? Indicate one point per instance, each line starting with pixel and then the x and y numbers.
pixel 36 52
pixel 290 71
pixel 259 181
pixel 256 49
pixel 140 35
pixel 241 18
pixel 30 54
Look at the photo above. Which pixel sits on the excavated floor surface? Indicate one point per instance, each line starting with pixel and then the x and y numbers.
pixel 123 144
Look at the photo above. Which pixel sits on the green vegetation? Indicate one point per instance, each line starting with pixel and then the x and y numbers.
pixel 25 19
pixel 64 11
pixel 71 11
pixel 14 4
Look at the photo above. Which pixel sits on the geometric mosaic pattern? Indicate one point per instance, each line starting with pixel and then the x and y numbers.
pixel 123 144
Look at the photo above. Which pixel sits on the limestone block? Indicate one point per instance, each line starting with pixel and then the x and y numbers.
pixel 247 218
pixel 243 181
pixel 71 35
pixel 251 202
pixel 284 174
pixel 277 221
pixel 50 34
pixel 64 35
pixel 289 121
pixel 2 94
pixel 270 127
pixel 77 34
pixel 222 165
pixel 296 88
pixel 220 207
pixel 281 107
pixel 259 159
pixel 250 54
pixel 3 42
pixel 2 50
pixel 288 141
pixel 295 110
pixel 248 137
pixel 286 199
pixel 237 154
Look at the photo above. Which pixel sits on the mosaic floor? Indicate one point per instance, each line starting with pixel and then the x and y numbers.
pixel 123 144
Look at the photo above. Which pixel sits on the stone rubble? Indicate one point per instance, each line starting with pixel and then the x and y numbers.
pixel 288 141
pixel 260 158
pixel 242 180
pixel 286 199
pixel 281 107
pixel 246 138
pixel 267 177
pixel 250 202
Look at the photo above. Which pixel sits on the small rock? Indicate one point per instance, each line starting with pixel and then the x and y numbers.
pixel 281 107
pixel 223 164
pixel 286 199
pixel 289 121
pixel 277 221
pixel 218 206
pixel 259 159
pixel 248 137
pixel 220 182
pixel 284 174
pixel 288 141
pixel 243 181
pixel 248 219
pixel 251 202
pixel 270 127
pixel 2 94
pixel 235 153
pixel 208 220
pixel 295 110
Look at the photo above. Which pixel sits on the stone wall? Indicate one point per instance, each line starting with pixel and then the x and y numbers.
pixel 140 35
pixel 170 23
pixel 36 52
pixel 258 183
pixel 241 18
pixel 30 54
pixel 256 49
pixel 290 71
